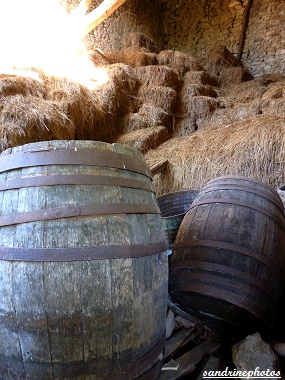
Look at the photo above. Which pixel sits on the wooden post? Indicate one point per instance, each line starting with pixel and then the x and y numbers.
pixel 244 29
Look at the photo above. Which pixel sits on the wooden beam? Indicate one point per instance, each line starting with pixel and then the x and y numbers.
pixel 244 29
pixel 99 14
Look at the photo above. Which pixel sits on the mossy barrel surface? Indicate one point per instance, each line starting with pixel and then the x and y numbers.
pixel 83 263
pixel 227 267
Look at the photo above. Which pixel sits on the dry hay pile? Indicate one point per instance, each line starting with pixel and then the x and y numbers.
pixel 157 76
pixel 57 108
pixel 31 119
pixel 143 139
pixel 179 61
pixel 253 148
pixel 224 66
pixel 264 95
pixel 137 50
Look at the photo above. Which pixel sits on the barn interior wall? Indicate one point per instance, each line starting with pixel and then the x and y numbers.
pixel 192 26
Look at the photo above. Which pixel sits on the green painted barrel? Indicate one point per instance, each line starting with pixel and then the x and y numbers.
pixel 173 207
pixel 83 263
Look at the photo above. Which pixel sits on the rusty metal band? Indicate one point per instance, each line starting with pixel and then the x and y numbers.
pixel 246 179
pixel 232 186
pixel 81 368
pixel 133 370
pixel 102 252
pixel 272 264
pixel 224 295
pixel 215 280
pixel 72 156
pixel 76 211
pixel 80 179
pixel 278 218
pixel 182 266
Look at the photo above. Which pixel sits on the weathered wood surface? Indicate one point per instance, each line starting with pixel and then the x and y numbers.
pixel 187 363
pixel 80 319
pixel 229 255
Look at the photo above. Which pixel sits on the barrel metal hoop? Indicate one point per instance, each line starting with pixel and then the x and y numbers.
pixel 77 211
pixel 211 280
pixel 73 156
pixel 225 295
pixel 222 294
pixel 248 179
pixel 182 267
pixel 79 179
pixel 137 367
pixel 231 247
pixel 234 186
pixel 276 217
pixel 72 370
pixel 66 254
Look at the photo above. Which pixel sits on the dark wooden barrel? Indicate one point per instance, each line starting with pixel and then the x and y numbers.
pixel 173 207
pixel 83 263
pixel 227 267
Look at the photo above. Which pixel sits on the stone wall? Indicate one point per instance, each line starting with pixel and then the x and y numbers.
pixel 193 26
pixel 132 16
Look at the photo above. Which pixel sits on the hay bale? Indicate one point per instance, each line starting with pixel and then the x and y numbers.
pixel 189 90
pixel 177 60
pixel 143 140
pixel 274 90
pixel 137 41
pixel 267 79
pixel 236 113
pixel 14 84
pixel 158 96
pixel 132 57
pixel 30 119
pixel 148 116
pixel 197 110
pixel 233 75
pixel 243 93
pixel 253 148
pixel 98 58
pixel 199 77
pixel 157 76
pixel 273 107
pixel 217 58
pixel 117 95
pixel 82 106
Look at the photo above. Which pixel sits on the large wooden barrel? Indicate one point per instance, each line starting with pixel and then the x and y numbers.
pixel 227 267
pixel 173 207
pixel 83 263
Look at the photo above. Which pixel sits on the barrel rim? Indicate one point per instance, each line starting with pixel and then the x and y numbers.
pixel 181 214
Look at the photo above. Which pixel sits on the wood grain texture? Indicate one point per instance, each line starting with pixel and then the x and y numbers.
pixel 228 262
pixel 80 319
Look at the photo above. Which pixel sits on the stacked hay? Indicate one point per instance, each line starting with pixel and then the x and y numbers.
pixel 253 148
pixel 223 65
pixel 155 107
pixel 80 105
pixel 179 61
pixel 57 108
pixel 197 102
pixel 138 50
pixel 144 139
pixel 25 119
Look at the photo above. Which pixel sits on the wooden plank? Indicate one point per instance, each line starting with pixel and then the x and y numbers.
pixel 188 362
pixel 179 340
pixel 158 167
